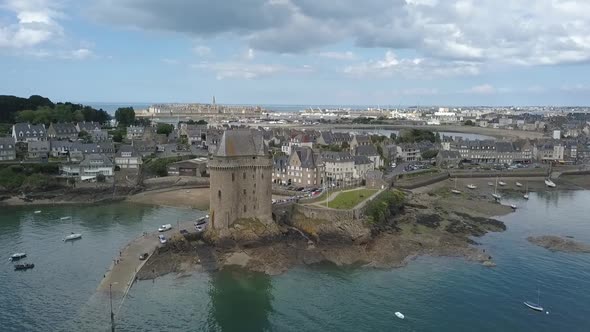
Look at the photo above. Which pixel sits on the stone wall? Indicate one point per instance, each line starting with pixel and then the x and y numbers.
pixel 332 215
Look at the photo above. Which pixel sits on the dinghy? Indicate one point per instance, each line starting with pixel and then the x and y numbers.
pixel 17 256
pixel 518 184
pixel 73 236
pixel 65 218
pixel 550 183
pixel 38 211
pixel 401 316
pixel 471 186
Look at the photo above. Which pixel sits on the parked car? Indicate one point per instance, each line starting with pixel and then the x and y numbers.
pixel 162 239
pixel 143 256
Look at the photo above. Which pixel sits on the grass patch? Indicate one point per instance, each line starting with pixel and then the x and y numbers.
pixel 349 199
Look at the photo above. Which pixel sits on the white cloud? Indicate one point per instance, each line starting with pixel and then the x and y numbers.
pixel 250 54
pixel 484 89
pixel 170 61
pixel 202 51
pixel 35 23
pixel 422 68
pixel 516 32
pixel 81 54
pixel 338 55
pixel 247 70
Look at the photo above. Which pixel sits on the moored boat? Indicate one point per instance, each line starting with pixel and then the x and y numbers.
pixel 399 315
pixel 65 218
pixel 533 306
pixel 518 184
pixel 17 256
pixel 38 211
pixel 73 236
pixel 25 266
pixel 550 183
pixel 502 183
pixel 471 186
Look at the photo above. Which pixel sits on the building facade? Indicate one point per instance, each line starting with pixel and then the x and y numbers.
pixel 7 149
pixel 304 169
pixel 240 179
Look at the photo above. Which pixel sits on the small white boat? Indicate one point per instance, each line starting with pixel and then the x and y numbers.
pixel 73 236
pixel 550 183
pixel 164 228
pixel 513 206
pixel 38 211
pixel 17 256
pixel 502 183
pixel 471 186
pixel 518 184
pixel 535 306
pixel 490 184
pixel 455 191
pixel 525 196
pixel 497 196
pixel 65 218
pixel 399 315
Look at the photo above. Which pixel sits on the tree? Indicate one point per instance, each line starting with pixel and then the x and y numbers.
pixel 125 116
pixel 429 154
pixel 164 128
pixel 201 122
pixel 85 136
pixel 118 135
pixel 393 136
pixel 469 123
pixel 345 146
pixel 100 178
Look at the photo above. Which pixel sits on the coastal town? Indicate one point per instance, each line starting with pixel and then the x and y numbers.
pixel 366 187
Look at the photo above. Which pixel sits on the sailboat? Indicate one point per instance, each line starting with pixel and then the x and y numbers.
pixel 455 191
pixel 535 306
pixel 526 195
pixel 495 194
pixel 518 184
pixel 550 183
pixel 471 185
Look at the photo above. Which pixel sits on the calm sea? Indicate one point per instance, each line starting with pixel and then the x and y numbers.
pixel 435 294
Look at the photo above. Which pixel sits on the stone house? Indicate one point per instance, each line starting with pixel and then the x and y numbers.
pixel 60 149
pixel 304 168
pixel 279 169
pixel 26 132
pixel 193 167
pixel 448 159
pixel 339 166
pixel 62 131
pixel 135 132
pixel 370 152
pixel 7 149
pixel 128 158
pixel 362 164
pixel 38 150
pixel 374 180
pixel 359 140
pixel 408 152
pixel 94 164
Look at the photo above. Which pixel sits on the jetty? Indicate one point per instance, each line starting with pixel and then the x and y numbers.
pixel 123 270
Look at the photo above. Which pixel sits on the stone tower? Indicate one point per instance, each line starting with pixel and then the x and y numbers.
pixel 240 179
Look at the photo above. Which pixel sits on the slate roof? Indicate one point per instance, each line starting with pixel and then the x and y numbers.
pixel 28 129
pixel 306 156
pixel 5 142
pixel 449 154
pixel 241 143
pixel 67 128
pixel 88 126
pixel 95 159
pixel 127 148
pixel 366 150
pixel 332 156
pixel 361 160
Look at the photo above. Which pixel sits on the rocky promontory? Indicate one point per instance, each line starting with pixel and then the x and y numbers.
pixel 556 243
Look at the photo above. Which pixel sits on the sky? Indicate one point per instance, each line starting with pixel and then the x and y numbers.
pixel 304 52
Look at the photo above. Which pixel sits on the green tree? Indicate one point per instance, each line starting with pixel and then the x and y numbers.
pixel 125 116
pixel 201 122
pixel 393 136
pixel 469 123
pixel 164 128
pixel 85 136
pixel 429 154
pixel 345 146
pixel 118 136
pixel 101 178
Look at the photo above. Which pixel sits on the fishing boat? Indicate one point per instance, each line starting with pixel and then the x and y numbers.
pixel 65 218
pixel 495 194
pixel 17 256
pixel 455 191
pixel 533 305
pixel 518 184
pixel 471 186
pixel 25 266
pixel 72 237
pixel 550 183
pixel 399 315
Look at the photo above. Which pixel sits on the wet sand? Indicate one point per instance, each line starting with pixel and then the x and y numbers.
pixel 193 198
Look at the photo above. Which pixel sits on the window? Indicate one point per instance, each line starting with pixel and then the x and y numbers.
pixel 244 176
pixel 245 208
pixel 219 194
pixel 233 177
pixel 244 191
pixel 262 176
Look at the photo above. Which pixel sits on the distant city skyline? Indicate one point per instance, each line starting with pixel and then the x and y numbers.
pixel 298 52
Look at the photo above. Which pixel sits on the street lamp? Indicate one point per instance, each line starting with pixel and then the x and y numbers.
pixel 111 300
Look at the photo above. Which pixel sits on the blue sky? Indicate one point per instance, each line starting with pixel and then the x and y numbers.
pixel 310 52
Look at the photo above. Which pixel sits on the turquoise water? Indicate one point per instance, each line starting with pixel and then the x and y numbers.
pixel 435 294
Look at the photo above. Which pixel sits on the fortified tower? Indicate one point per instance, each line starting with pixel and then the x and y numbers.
pixel 240 179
